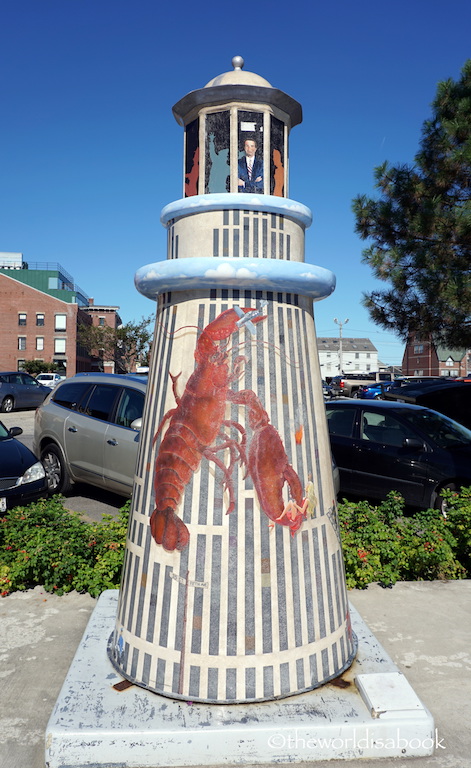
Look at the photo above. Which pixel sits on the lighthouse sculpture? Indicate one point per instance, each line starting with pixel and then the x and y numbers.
pixel 233 585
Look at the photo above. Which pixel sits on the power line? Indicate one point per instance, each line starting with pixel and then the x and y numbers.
pixel 356 330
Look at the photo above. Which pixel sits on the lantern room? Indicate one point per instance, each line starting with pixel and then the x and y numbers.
pixel 236 135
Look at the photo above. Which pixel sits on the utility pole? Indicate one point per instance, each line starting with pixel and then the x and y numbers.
pixel 340 325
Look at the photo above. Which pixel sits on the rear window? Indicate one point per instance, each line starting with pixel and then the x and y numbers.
pixel 101 402
pixel 340 422
pixel 14 378
pixel 69 395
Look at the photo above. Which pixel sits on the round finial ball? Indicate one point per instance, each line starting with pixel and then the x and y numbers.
pixel 238 62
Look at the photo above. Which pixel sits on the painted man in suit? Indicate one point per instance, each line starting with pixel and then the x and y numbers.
pixel 250 169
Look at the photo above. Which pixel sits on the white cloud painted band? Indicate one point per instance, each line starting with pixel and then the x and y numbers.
pixel 226 201
pixel 206 272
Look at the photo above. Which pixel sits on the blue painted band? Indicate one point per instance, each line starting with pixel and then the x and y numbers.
pixel 206 272
pixel 224 201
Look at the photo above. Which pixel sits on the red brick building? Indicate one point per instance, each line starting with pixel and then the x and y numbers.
pixel 36 326
pixel 424 358
pixel 41 308
pixel 102 315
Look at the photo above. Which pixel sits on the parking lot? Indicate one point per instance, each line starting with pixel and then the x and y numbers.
pixel 92 503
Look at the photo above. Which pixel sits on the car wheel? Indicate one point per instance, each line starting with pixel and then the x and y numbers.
pixel 440 502
pixel 7 404
pixel 58 479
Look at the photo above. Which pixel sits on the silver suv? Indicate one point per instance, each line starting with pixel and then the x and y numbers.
pixel 87 430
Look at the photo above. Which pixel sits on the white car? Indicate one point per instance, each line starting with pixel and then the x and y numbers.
pixel 49 379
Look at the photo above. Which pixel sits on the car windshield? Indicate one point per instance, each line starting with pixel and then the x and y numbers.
pixel 3 431
pixel 445 432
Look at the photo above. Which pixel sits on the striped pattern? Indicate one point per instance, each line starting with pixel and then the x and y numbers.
pixel 246 612
pixel 236 234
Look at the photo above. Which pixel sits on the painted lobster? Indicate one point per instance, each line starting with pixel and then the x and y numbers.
pixel 196 423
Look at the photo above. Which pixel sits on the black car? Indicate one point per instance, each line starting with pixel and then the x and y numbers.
pixel 22 476
pixel 20 390
pixel 453 399
pixel 382 446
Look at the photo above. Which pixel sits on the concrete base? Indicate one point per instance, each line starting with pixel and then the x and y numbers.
pixel 371 711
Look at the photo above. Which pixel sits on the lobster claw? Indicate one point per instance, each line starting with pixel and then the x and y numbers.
pixel 270 469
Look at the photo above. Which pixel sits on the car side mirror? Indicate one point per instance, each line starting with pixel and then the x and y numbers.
pixel 413 444
pixel 15 431
pixel 137 424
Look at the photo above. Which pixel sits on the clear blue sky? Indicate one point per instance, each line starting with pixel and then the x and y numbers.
pixel 90 152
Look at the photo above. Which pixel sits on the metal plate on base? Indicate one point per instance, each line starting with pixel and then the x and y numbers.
pixel 96 724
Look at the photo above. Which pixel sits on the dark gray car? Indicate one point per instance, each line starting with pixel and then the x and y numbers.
pixel 20 390
pixel 88 430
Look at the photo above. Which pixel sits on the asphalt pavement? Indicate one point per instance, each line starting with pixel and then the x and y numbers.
pixel 90 502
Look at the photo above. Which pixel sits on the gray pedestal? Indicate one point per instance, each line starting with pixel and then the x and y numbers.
pixel 371 711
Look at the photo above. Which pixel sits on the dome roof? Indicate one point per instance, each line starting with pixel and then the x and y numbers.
pixel 237 86
pixel 238 77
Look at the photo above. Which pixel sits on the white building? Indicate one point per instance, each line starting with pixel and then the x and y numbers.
pixel 355 356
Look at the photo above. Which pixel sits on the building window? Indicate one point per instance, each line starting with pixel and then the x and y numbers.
pixel 20 364
pixel 101 321
pixel 39 343
pixel 39 319
pixel 357 355
pixel 60 322
pixel 22 342
pixel 418 349
pixel 21 318
pixel 59 346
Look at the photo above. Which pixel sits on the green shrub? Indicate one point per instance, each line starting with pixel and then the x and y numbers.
pixel 381 544
pixel 45 544
pixel 459 523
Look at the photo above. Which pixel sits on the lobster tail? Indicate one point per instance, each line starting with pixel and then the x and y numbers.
pixel 168 530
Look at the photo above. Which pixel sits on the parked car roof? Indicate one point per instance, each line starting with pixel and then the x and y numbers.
pixel 454 401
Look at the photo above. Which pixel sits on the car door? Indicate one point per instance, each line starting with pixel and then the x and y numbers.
pixel 384 463
pixel 341 422
pixel 122 442
pixel 18 390
pixel 32 392
pixel 85 433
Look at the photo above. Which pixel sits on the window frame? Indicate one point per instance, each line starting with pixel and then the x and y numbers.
pixel 56 344
pixel 57 327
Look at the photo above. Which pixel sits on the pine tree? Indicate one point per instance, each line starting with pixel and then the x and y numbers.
pixel 421 228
